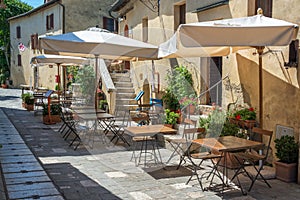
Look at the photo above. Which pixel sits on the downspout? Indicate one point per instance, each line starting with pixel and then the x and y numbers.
pixel 64 17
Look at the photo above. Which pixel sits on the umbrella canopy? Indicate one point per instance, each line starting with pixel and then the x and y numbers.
pixel 58 59
pixel 221 37
pixel 95 42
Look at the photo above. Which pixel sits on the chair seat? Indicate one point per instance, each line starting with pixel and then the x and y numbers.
pixel 176 140
pixel 249 156
pixel 140 139
pixel 205 155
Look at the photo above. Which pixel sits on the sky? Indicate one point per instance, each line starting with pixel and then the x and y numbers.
pixel 33 3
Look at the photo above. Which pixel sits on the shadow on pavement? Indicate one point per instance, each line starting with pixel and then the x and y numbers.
pixel 75 185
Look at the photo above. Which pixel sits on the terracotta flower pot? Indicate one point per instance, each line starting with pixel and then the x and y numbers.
pixel 54 119
pixel 286 172
pixel 29 107
pixel 169 125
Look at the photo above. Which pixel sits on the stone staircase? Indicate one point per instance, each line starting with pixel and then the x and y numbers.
pixel 125 92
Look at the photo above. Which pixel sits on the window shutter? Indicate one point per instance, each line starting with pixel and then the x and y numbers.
pixel 51 21
pixel 18 32
pixel 36 41
pixel 47 22
pixel 32 42
pixel 19 60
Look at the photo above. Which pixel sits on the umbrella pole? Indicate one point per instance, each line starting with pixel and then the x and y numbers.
pixel 96 81
pixel 260 83
pixel 58 80
pixel 64 79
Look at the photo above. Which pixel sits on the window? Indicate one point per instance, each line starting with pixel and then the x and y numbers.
pixel 50 22
pixel 19 60
pixel 145 29
pixel 18 30
pixel 179 15
pixel 182 14
pixel 34 41
pixel 215 76
pixel 265 5
pixel 109 24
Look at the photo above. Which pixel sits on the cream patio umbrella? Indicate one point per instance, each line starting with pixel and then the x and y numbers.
pixel 95 42
pixel 222 37
pixel 59 61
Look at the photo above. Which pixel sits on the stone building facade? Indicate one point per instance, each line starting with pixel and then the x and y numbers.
pixel 51 18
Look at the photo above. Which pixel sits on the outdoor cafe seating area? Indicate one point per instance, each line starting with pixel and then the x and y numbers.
pixel 188 146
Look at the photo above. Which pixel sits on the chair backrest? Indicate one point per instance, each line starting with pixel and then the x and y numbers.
pixel 139 96
pixel 122 116
pixel 193 133
pixel 266 133
pixel 187 122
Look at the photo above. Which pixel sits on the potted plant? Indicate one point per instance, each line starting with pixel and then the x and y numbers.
pixel 287 150
pixel 170 118
pixel 3 78
pixel 217 125
pixel 55 110
pixel 103 105
pixel 189 104
pixel 86 78
pixel 244 117
pixel 180 85
pixel 28 100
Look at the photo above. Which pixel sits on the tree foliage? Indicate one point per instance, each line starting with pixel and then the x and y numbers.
pixel 11 8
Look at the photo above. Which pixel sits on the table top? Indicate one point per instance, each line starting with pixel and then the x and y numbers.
pixel 95 116
pixel 228 143
pixel 149 130
pixel 88 111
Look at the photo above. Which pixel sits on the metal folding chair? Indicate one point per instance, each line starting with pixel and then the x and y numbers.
pixel 118 124
pixel 179 144
pixel 198 154
pixel 252 157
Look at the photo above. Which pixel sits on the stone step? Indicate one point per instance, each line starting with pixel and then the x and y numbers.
pixel 125 95
pixel 123 84
pixel 125 90
pixel 121 79
pixel 120 75
pixel 126 101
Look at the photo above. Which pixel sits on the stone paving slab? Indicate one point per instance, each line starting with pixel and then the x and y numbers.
pixel 36 178
pixel 34 193
pixel 19 167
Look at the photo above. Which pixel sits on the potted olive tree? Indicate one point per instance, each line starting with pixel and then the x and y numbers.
pixel 287 153
pixel 55 111
pixel 28 100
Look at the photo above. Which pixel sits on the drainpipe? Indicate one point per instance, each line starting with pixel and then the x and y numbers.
pixel 64 17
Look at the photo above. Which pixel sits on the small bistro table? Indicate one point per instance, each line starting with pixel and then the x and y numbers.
pixel 148 133
pixel 225 145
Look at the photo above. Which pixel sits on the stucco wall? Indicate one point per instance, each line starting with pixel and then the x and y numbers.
pixel 83 14
pixel 32 24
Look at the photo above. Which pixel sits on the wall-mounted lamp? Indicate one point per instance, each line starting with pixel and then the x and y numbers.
pixel 50 66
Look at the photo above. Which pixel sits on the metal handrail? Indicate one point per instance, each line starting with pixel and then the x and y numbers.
pixel 203 93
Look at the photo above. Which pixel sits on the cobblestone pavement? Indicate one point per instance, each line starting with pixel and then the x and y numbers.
pixel 37 163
